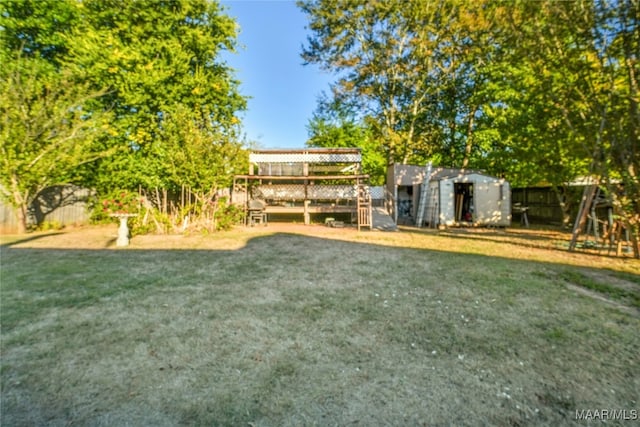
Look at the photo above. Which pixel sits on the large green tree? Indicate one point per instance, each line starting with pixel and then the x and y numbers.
pixel 157 58
pixel 47 130
pixel 568 97
pixel 192 151
pixel 413 69
pixel 370 45
pixel 535 91
pixel 38 28
pixel 146 64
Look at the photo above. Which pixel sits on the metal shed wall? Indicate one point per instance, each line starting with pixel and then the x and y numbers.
pixel 491 197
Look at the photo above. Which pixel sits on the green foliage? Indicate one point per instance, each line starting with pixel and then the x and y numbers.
pixel 50 225
pixel 192 150
pixel 37 28
pixel 228 215
pixel 151 220
pixel 102 210
pixel 330 129
pixel 46 130
pixel 138 81
pixel 204 213
pixel 159 61
pixel 569 97
pixel 121 202
pixel 538 92
pixel 413 70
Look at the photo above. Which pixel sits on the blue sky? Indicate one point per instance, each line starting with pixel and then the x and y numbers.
pixel 269 66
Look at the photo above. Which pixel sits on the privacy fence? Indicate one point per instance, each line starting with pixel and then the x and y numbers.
pixel 56 206
pixel 69 205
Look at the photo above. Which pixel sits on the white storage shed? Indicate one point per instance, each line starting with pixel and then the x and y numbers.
pixel 454 197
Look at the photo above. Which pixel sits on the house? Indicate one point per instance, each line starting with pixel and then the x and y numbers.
pixel 447 197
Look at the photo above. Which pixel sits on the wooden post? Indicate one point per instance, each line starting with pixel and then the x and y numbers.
pixel 307 217
pixel 585 205
pixel 594 219
pixel 305 172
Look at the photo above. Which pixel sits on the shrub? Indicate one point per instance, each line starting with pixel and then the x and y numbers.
pixel 118 202
pixel 205 214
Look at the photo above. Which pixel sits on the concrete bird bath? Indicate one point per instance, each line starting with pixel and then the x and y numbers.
pixel 123 230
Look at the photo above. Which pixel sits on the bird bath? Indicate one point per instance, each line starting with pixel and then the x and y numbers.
pixel 123 230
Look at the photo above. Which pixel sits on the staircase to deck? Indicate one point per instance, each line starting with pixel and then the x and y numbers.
pixel 365 216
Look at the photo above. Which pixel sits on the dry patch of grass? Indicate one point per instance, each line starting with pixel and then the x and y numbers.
pixel 311 326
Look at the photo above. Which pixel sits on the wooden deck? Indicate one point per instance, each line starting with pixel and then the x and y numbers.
pixel 305 212
pixel 305 182
pixel 309 209
pixel 301 178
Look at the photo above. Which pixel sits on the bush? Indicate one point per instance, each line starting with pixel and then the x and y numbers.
pixel 227 215
pixel 50 225
pixel 117 202
pixel 205 214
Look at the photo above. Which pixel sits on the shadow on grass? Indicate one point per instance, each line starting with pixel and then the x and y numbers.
pixel 299 330
pixel 6 241
pixel 104 272
pixel 554 240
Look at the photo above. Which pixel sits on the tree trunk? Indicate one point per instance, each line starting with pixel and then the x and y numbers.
pixel 21 217
pixel 565 206
pixel 20 204
pixel 469 142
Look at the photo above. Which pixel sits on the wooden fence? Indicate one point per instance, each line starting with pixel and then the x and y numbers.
pixel 59 205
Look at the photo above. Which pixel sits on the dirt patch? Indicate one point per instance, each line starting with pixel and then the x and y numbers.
pixel 514 243
pixel 614 281
pixel 599 297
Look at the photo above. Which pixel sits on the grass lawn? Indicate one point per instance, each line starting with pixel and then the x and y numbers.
pixel 297 326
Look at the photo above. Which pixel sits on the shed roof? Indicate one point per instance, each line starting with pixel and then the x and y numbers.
pixel 413 174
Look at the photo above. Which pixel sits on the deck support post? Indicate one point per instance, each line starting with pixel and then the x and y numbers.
pixel 307 216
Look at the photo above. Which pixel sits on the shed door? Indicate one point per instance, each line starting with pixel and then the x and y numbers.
pixel 405 204
pixel 488 202
pixel 433 208
pixel 464 207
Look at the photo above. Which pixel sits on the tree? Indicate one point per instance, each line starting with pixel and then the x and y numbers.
pixel 416 69
pixel 155 58
pixel 370 44
pixel 613 102
pixel 38 28
pixel 45 130
pixel 151 62
pixel 334 125
pixel 192 151
pixel 569 95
